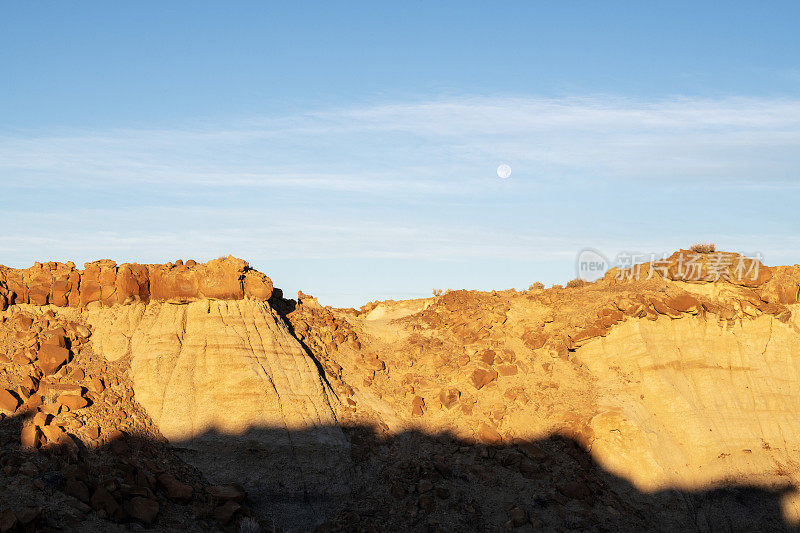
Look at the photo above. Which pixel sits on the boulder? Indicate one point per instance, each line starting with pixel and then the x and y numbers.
pixel 102 499
pixel 257 285
pixel 30 382
pixel 90 287
pixel 785 292
pixel 142 509
pixel 82 331
pixel 449 397
pixel 534 339
pixel 77 489
pixel 132 283
pixel 72 401
pixel 220 279
pixel 97 385
pixel 606 322
pixel 28 515
pixel 8 520
pixel 752 272
pixel 24 323
pixel 224 513
pixel 631 307
pixel 17 286
pixel 59 295
pixel 375 364
pixel 427 503
pixel 29 437
pixel 488 435
pixel 508 370
pixel 614 314
pixel 481 378
pixel 684 303
pixel 34 401
pixel 52 357
pixel 55 340
pixel 9 401
pixel 41 419
pixel 663 309
pixel 174 489
pixel 39 292
pixel 590 332
pixel 53 433
pixel 558 346
pixel 417 406
pixel 487 357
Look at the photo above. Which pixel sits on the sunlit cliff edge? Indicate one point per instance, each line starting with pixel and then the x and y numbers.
pixel 670 383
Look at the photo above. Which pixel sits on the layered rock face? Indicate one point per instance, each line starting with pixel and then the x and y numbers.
pixel 670 381
pixel 622 404
pixel 213 369
pixel 199 367
pixel 211 363
pixel 688 403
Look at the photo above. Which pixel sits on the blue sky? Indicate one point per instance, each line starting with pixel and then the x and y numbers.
pixel 349 149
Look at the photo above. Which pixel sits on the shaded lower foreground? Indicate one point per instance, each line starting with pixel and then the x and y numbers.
pixel 411 481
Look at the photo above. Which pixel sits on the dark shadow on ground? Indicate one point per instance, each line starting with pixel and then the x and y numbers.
pixel 353 480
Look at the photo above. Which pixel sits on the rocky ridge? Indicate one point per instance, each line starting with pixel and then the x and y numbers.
pixel 608 405
pixel 105 282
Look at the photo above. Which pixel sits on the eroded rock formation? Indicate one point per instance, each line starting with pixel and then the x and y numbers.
pixel 640 399
pixel 61 285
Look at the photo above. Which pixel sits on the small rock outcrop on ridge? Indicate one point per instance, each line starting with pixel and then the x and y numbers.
pixel 62 285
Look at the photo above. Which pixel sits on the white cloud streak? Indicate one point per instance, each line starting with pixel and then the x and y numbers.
pixel 429 147
pixel 140 234
pixel 411 181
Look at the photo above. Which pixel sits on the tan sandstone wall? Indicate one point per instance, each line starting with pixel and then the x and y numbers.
pixel 213 369
pixel 693 402
pixel 212 364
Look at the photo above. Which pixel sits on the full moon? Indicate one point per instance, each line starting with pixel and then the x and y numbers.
pixel 504 171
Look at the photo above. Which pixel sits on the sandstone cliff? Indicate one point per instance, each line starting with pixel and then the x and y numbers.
pixel 213 369
pixel 639 399
pixel 209 361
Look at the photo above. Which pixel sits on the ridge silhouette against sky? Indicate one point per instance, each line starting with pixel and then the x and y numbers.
pixel 351 151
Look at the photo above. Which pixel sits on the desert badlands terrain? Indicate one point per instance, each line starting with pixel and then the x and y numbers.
pixel 192 396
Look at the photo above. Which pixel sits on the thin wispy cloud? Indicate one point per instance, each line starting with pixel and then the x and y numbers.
pixel 413 184
pixel 433 145
pixel 205 232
